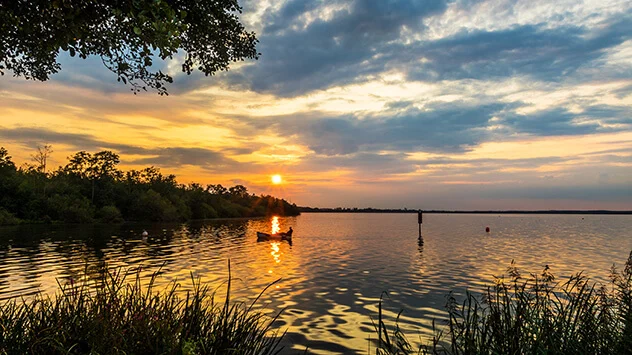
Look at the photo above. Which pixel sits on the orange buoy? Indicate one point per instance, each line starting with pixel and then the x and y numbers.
pixel 487 229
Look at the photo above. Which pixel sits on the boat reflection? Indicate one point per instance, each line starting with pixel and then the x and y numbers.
pixel 278 241
pixel 275 233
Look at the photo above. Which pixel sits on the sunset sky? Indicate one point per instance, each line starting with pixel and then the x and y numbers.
pixel 461 104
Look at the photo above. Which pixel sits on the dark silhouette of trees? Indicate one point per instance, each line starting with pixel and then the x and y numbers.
pixel 126 35
pixel 91 188
pixel 40 157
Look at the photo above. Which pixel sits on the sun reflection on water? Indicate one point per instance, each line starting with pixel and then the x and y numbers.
pixel 276 251
pixel 275 225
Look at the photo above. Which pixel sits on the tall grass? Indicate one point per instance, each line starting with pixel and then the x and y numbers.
pixel 116 316
pixel 533 314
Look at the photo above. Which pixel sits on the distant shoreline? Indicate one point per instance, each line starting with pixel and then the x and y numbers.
pixel 376 210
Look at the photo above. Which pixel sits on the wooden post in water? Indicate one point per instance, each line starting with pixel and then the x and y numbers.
pixel 420 220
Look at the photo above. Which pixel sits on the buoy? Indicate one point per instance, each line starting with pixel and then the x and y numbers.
pixel 487 229
pixel 144 234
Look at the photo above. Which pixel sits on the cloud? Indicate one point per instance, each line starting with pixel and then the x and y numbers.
pixel 375 165
pixel 610 114
pixel 624 91
pixel 302 53
pixel 206 159
pixel 306 47
pixel 439 127
pixel 552 122
pixel 315 45
pixel 561 122
pixel 31 137
pixel 546 54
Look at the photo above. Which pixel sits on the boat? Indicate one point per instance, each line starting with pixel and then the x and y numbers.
pixel 282 236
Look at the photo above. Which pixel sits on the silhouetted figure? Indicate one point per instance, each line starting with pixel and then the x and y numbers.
pixel 289 232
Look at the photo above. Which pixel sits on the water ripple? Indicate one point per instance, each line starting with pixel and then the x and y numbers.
pixel 334 272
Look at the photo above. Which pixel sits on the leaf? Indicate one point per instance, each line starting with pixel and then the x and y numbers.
pixel 72 51
pixel 137 30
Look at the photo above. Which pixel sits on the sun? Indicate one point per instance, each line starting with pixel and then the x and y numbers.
pixel 276 179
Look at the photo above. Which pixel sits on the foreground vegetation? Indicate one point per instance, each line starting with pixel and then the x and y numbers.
pixel 90 188
pixel 523 315
pixel 117 317
pixel 532 315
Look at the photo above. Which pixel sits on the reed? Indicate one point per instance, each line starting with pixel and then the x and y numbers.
pixel 114 315
pixel 533 314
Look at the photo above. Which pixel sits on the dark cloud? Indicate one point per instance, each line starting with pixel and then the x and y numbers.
pixel 439 127
pixel 444 127
pixel 552 122
pixel 178 157
pixel 547 54
pixel 624 91
pixel 339 50
pixel 167 157
pixel 365 39
pixel 31 137
pixel 555 122
pixel 396 105
pixel 610 114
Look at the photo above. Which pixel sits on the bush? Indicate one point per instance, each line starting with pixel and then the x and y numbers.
pixel 207 211
pixel 110 214
pixel 7 218
pixel 70 209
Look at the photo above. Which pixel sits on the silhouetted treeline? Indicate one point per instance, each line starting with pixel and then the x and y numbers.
pixel 90 188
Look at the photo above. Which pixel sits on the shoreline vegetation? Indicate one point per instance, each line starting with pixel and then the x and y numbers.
pixel 530 314
pixel 90 188
pixel 523 314
pixel 108 314
pixel 305 209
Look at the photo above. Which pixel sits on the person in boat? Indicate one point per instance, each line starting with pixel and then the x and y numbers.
pixel 289 232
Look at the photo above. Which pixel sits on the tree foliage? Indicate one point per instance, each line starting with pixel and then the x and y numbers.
pixel 126 34
pixel 90 188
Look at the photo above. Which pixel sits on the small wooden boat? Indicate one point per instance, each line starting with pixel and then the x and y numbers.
pixel 282 236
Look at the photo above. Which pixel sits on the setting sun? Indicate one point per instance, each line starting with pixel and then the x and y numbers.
pixel 276 179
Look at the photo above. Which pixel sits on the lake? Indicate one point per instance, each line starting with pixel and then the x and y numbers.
pixel 333 273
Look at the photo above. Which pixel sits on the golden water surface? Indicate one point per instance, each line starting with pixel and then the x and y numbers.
pixel 333 273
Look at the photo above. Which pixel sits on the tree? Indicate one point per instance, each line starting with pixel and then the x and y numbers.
pixel 98 166
pixel 238 191
pixel 101 165
pixel 5 160
pixel 41 157
pixel 216 189
pixel 127 35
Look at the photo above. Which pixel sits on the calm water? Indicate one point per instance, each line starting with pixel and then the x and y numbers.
pixel 335 270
